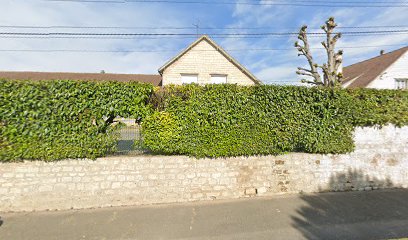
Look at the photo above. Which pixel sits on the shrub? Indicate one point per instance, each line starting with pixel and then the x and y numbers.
pixel 379 107
pixel 161 132
pixel 53 120
pixel 231 120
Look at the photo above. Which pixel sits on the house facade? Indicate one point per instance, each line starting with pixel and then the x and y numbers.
pixel 204 62
pixel 386 71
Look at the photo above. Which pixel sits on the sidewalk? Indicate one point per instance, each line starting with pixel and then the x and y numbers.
pixel 348 215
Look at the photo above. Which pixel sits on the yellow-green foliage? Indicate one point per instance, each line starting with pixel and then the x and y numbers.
pixel 51 120
pixel 231 120
pixel 164 127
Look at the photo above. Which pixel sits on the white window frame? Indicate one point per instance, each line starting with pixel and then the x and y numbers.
pixel 218 77
pixel 401 83
pixel 189 78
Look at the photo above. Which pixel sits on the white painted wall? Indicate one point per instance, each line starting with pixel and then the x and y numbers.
pixel 387 79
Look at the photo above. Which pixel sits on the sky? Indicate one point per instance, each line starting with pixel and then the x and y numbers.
pixel 273 59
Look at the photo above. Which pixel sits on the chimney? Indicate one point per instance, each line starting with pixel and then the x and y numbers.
pixel 382 52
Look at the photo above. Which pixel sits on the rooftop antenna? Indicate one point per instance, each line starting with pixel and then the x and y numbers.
pixel 197 26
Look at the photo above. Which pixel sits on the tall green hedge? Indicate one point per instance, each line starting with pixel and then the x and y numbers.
pixel 231 120
pixel 52 120
pixel 379 107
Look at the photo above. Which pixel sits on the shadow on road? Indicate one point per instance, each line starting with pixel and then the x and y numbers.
pixel 357 215
pixel 1 222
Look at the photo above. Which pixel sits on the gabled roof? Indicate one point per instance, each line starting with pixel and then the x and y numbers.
pixel 363 73
pixel 38 76
pixel 219 49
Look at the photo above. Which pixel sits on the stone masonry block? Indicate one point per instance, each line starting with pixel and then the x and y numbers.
pixel 250 191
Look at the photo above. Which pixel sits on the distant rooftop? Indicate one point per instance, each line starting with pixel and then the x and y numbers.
pixel 361 74
pixel 38 76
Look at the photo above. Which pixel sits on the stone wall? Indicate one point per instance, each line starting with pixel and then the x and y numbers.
pixel 380 161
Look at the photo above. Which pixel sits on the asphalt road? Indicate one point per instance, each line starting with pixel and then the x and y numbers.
pixel 351 215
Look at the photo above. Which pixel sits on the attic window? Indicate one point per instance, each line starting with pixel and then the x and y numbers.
pixel 189 78
pixel 401 83
pixel 218 78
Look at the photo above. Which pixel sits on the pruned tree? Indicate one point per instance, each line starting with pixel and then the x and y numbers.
pixel 331 75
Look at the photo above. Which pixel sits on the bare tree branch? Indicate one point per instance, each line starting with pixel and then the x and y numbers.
pixel 325 45
pixel 335 38
pixel 304 73
pixel 331 70
pixel 311 82
pixel 304 50
pixel 304 69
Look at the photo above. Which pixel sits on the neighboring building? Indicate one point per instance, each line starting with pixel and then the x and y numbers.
pixel 37 76
pixel 386 71
pixel 204 62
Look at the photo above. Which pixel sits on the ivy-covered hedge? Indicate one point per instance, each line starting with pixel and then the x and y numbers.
pixel 379 107
pixel 230 120
pixel 53 120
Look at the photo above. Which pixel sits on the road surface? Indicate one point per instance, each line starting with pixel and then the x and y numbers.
pixel 348 215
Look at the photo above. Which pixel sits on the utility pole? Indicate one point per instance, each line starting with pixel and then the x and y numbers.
pixel 197 26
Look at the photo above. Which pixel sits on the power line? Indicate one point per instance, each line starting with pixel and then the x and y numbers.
pixel 173 37
pixel 267 3
pixel 95 27
pixel 168 50
pixel 184 28
pixel 51 34
pixel 378 26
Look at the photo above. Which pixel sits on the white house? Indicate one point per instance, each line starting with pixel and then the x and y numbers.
pixel 205 62
pixel 386 71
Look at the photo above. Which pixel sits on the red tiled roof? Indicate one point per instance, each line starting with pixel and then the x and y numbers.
pixel 38 76
pixel 363 73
